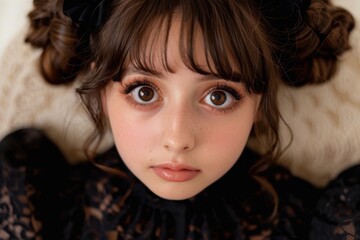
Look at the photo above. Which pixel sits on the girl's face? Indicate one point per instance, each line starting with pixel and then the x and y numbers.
pixel 178 131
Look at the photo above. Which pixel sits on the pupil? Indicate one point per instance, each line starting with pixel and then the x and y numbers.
pixel 218 98
pixel 146 94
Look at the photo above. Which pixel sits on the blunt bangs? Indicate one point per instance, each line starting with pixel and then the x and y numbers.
pixel 235 45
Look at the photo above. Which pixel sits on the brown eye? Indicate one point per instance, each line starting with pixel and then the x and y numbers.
pixel 219 99
pixel 144 94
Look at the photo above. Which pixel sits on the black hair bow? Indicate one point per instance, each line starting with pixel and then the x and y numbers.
pixel 284 14
pixel 88 14
pixel 287 18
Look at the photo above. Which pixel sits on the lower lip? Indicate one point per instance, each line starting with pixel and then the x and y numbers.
pixel 175 175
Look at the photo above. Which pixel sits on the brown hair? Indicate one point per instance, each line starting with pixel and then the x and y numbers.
pixel 324 37
pixel 233 32
pixel 51 30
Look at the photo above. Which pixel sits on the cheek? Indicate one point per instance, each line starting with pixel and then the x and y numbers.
pixel 226 141
pixel 134 137
pixel 232 134
pixel 128 135
pixel 131 133
pixel 229 141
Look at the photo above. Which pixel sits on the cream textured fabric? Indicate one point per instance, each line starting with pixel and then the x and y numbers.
pixel 325 121
pixel 26 100
pixel 12 19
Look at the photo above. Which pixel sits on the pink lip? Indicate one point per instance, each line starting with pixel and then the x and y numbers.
pixel 175 172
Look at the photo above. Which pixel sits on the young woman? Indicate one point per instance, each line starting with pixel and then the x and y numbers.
pixel 182 84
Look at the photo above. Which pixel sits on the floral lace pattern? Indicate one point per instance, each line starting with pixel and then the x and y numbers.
pixel 30 178
pixel 338 212
pixel 17 219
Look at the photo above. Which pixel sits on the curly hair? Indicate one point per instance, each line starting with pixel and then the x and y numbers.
pixel 319 44
pixel 52 31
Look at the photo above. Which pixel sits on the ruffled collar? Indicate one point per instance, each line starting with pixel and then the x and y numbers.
pixel 222 211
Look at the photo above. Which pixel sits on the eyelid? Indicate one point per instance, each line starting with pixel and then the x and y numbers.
pixel 226 87
pixel 235 94
pixel 128 87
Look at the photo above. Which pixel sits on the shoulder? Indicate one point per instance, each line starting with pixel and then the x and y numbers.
pixel 294 198
pixel 337 213
pixel 31 175
pixel 296 202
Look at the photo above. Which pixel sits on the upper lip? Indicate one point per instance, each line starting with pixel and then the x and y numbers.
pixel 175 166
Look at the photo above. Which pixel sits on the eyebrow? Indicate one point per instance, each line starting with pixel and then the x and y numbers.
pixel 154 73
pixel 133 70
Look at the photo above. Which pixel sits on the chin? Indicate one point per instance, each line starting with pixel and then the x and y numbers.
pixel 174 194
pixel 175 197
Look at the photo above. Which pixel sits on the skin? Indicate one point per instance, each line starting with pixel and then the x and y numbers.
pixel 180 126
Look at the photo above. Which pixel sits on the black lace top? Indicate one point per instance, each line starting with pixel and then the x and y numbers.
pixel 42 197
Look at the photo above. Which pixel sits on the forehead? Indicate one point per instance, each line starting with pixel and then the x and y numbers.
pixel 173 41
pixel 168 45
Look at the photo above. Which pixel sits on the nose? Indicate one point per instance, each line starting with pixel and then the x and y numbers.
pixel 178 131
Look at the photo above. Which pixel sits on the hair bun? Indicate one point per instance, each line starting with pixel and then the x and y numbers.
pixel 55 33
pixel 333 26
pixel 324 37
pixel 40 18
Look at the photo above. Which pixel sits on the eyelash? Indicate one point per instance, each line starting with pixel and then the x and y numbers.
pixel 233 92
pixel 128 88
pixel 224 87
pixel 137 83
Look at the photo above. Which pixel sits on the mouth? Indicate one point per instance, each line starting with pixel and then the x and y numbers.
pixel 175 172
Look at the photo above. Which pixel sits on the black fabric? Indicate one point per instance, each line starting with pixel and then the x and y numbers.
pixel 338 212
pixel 43 197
